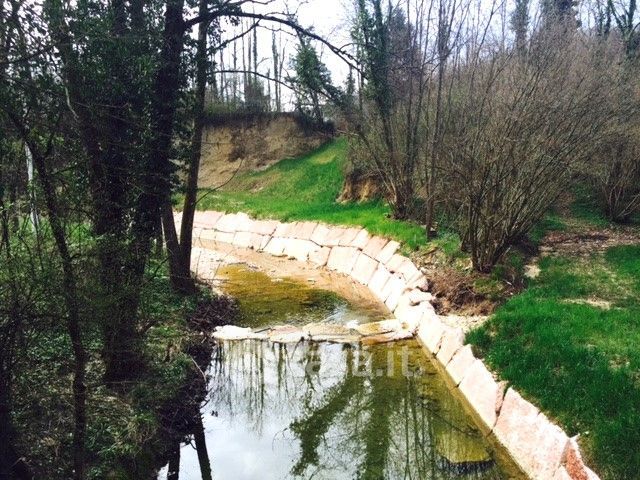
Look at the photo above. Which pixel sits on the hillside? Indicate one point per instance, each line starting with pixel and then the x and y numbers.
pixel 250 142
pixel 307 188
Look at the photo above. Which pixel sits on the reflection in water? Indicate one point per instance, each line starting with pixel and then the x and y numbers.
pixel 264 300
pixel 326 411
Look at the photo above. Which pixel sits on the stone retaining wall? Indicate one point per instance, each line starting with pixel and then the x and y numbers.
pixel 541 449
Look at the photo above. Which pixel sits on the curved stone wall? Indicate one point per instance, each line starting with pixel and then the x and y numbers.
pixel 541 449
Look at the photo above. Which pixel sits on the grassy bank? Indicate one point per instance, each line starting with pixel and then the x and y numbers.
pixel 306 189
pixel 571 343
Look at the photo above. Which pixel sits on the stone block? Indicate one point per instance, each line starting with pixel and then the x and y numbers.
pixel 409 315
pixel 258 242
pixel 227 223
pixel 320 255
pixel 342 259
pixel 364 268
pixel 378 328
pixel 460 364
pixel 417 296
pixel 320 329
pixel 395 263
pixel 452 341
pixel 244 223
pixel 387 337
pixel 374 246
pixel 348 236
pixel 431 330
pixel 303 230
pixel 483 392
pixel 379 279
pixel 286 334
pixel 403 303
pixel 275 247
pixel 420 283
pixel 387 252
pixel 320 234
pixel 393 290
pixel 299 249
pixel 231 332
pixel 207 219
pixel 361 240
pixel 204 234
pixel 264 227
pixel 537 445
pixel 285 230
pixel 409 271
pixel 334 236
pixel 242 239
pixel 224 237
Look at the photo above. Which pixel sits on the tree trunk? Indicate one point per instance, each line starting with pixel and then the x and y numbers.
pixel 201 449
pixel 156 199
pixel 173 471
pixel 444 29
pixel 188 212
pixel 179 271
pixel 11 465
pixel 73 317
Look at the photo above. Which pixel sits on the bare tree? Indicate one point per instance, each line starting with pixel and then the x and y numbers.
pixel 516 129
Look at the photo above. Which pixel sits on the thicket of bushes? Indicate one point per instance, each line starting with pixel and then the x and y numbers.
pixel 473 126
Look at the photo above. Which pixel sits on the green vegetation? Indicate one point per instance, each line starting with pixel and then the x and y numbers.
pixel 571 343
pixel 552 221
pixel 126 431
pixel 306 189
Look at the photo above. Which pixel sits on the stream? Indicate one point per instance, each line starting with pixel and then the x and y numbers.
pixel 328 411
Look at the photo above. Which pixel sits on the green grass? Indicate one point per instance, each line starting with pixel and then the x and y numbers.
pixel 578 362
pixel 586 210
pixel 306 188
pixel 552 222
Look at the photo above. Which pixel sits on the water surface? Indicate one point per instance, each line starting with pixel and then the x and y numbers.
pixel 268 301
pixel 329 411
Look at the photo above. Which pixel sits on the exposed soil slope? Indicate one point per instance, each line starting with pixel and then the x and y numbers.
pixel 253 143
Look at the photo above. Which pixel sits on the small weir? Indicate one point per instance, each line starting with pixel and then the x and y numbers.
pixel 326 410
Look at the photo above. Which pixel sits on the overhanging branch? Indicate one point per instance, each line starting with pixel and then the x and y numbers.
pixel 232 12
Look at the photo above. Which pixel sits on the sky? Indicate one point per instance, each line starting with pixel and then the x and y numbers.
pixel 331 20
pixel 328 18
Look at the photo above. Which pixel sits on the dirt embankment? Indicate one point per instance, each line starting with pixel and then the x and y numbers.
pixel 243 143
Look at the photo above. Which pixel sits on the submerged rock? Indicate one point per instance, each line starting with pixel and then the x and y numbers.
pixel 378 328
pixel 331 329
pixel 337 338
pixel 387 337
pixel 231 332
pixel 286 334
